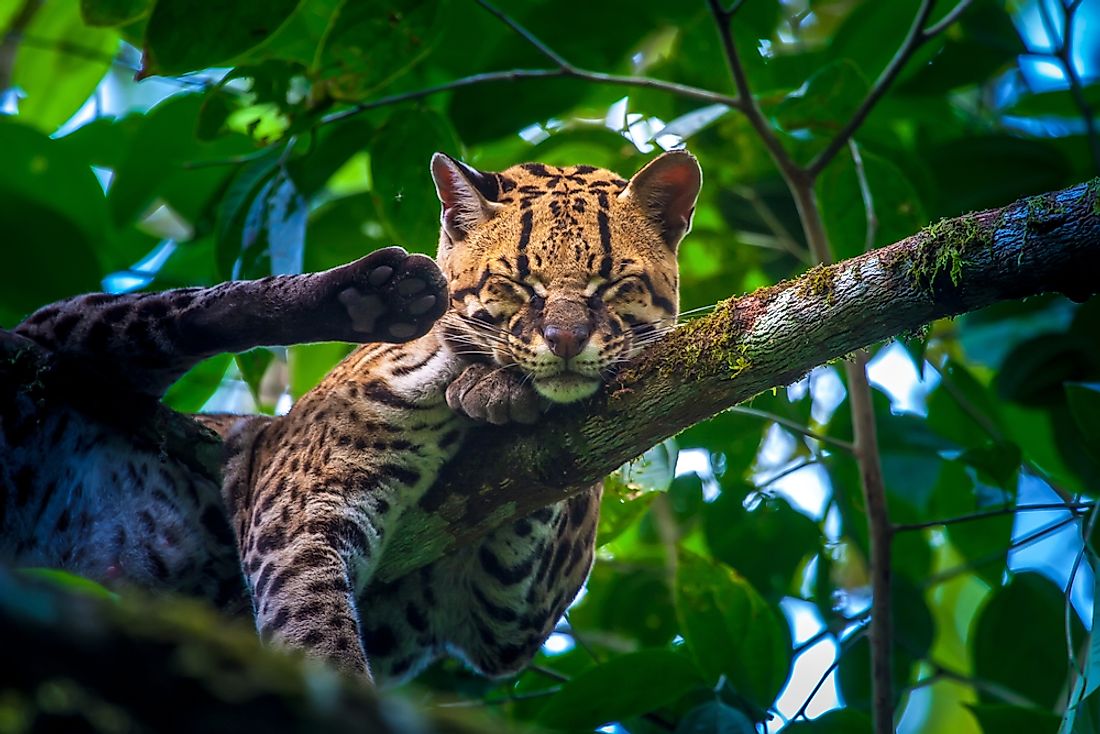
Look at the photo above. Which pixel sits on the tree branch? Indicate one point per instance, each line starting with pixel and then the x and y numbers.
pixel 750 344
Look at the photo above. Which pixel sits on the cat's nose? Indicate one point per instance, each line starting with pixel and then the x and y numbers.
pixel 566 341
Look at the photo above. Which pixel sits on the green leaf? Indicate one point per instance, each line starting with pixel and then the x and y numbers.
pixel 766 544
pixel 184 36
pixel 825 102
pixel 626 685
pixel 1018 640
pixel 635 608
pixel 979 172
pixel 253 366
pixel 1060 103
pixel 367 45
pixel 914 629
pixel 999 718
pixel 190 392
pixel 620 508
pixel 1033 373
pixel 68 582
pixel 309 363
pixel 56 82
pixel 895 203
pixel 400 154
pixel 1084 405
pixel 273 232
pixel 243 191
pixel 837 721
pixel 731 630
pixel 715 717
pixel 113 12
pixel 53 213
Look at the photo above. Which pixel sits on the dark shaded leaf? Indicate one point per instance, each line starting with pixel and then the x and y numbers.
pixel 184 36
pixel 113 12
pixel 402 187
pixel 368 45
pixel 731 630
pixel 1018 640
pixel 624 686
pixel 715 717
pixel 766 544
pixel 190 392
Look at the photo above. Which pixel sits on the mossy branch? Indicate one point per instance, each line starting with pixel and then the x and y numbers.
pixel 769 338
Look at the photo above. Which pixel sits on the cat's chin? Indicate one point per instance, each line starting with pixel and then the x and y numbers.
pixel 567 387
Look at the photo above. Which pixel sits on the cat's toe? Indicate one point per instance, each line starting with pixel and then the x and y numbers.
pixel 395 296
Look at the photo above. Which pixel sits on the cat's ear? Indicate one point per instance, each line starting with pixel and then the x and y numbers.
pixel 468 196
pixel 666 189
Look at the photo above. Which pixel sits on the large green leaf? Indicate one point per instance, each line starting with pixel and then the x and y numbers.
pixel 1000 718
pixel 53 216
pixel 715 717
pixel 626 685
pixel 825 102
pixel 1084 404
pixel 731 630
pixel 766 544
pixel 56 81
pixel 838 721
pixel 400 153
pixel 184 36
pixel 191 391
pixel 368 45
pixel 1018 640
pixel 113 12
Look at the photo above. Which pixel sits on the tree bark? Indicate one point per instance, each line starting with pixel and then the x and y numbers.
pixel 748 344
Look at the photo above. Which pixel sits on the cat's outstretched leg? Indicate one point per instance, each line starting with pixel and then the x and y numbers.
pixel 145 341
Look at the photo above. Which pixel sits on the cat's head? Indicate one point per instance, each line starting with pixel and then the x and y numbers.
pixel 563 272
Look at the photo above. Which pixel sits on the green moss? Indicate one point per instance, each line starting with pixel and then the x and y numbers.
pixel 819 281
pixel 942 249
pixel 707 346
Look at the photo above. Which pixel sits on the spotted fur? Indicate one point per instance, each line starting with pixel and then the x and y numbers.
pixel 557 276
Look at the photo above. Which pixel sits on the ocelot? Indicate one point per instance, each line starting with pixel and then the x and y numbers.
pixel 556 276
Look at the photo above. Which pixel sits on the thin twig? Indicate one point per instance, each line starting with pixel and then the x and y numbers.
pixel 865 194
pixel 1073 507
pixel 916 37
pixel 845 646
pixel 1028 539
pixel 514 75
pixel 811 461
pixel 1063 53
pixel 794 426
pixel 748 104
pixel 526 35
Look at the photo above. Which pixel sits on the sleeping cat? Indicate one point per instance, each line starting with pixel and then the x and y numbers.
pixel 556 276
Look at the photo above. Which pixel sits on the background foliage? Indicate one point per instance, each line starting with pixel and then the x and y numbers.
pixel 292 135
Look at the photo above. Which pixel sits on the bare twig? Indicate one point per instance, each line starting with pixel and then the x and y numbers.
pixel 1035 536
pixel 514 75
pixel 748 104
pixel 879 531
pixel 1063 52
pixel 916 37
pixel 794 426
pixel 865 194
pixel 986 514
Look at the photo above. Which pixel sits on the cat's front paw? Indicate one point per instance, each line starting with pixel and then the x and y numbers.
pixel 392 296
pixel 498 395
